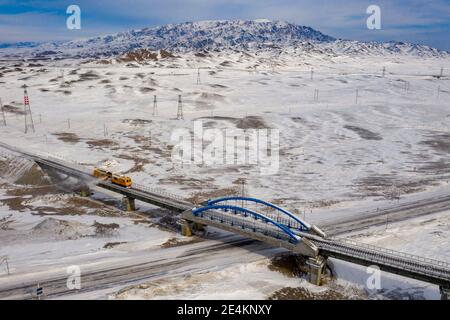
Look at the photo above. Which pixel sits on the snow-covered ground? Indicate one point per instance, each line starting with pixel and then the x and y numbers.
pixel 335 153
pixel 331 150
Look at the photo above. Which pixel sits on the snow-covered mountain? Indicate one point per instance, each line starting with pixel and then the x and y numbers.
pixel 225 35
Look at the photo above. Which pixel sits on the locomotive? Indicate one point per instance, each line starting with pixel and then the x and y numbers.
pixel 118 179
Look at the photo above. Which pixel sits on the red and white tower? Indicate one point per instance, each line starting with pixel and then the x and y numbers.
pixel 29 124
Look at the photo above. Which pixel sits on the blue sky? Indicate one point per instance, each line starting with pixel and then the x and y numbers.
pixel 424 21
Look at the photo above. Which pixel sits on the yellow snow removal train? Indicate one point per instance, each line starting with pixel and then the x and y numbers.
pixel 118 179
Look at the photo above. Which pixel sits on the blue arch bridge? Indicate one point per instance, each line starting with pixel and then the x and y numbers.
pixel 267 222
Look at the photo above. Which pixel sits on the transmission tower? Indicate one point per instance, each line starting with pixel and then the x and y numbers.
pixel 180 108
pixel 198 76
pixel 29 124
pixel 155 106
pixel 3 112
pixel 316 94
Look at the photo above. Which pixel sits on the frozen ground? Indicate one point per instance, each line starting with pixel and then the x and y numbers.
pixel 336 153
pixel 331 150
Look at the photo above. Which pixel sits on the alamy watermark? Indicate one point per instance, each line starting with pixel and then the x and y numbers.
pixel 74 277
pixel 227 147
pixel 374 20
pixel 73 22
pixel 373 282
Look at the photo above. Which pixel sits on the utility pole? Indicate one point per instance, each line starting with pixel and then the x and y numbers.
pixel 316 94
pixel 155 106
pixel 242 191
pixel 149 138
pixel 180 109
pixel 442 73
pixel 198 76
pixel 63 83
pixel 312 73
pixel 29 124
pixel 384 71
pixel 406 86
pixel 3 112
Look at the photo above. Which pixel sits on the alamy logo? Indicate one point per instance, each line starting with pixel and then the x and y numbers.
pixel 74 20
pixel 374 280
pixel 227 147
pixel 374 20
pixel 74 279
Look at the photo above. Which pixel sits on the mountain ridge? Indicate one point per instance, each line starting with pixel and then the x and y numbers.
pixel 222 35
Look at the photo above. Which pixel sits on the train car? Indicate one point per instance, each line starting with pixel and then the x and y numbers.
pixel 102 174
pixel 120 180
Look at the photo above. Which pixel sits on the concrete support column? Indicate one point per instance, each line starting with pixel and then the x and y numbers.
pixel 129 203
pixel 316 267
pixel 445 293
pixel 85 192
pixel 186 229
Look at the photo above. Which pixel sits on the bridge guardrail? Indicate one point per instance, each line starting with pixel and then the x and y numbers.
pixel 395 253
pixel 157 191
pixel 399 260
pixel 257 226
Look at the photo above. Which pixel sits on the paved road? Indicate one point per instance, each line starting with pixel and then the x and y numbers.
pixel 398 212
pixel 223 251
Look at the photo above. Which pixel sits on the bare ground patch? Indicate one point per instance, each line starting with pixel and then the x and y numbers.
pixel 364 133
pixel 300 293
pixel 101 143
pixel 175 242
pixel 68 137
pixel 249 122
pixel 201 197
pixel 389 186
pixel 438 142
pixel 139 162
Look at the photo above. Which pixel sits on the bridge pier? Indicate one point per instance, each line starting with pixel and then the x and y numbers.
pixel 316 267
pixel 188 228
pixel 129 203
pixel 445 292
pixel 85 191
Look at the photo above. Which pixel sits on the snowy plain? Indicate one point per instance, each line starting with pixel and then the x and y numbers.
pixel 365 137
